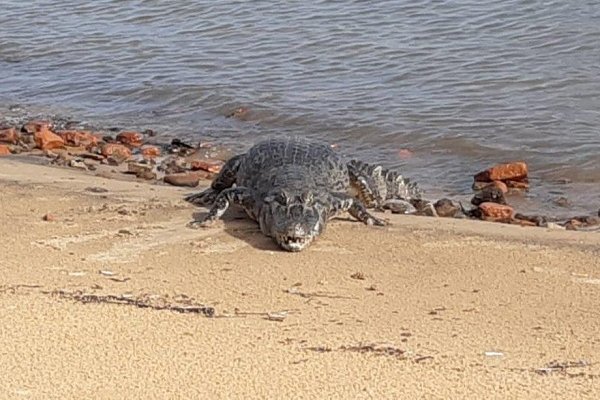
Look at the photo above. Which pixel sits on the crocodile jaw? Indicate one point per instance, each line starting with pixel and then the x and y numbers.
pixel 293 243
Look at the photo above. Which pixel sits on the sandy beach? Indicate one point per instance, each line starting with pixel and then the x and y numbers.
pixel 111 296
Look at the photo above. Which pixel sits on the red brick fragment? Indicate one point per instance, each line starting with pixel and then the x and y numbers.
pixel 512 171
pixel 496 212
pixel 213 166
pixel 150 152
pixel 9 135
pixel 45 139
pixel 133 139
pixel 4 150
pixel 117 150
pixel 78 138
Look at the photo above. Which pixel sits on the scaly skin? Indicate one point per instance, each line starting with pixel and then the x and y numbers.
pixel 292 187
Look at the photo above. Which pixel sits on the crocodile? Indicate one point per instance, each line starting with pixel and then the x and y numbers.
pixel 292 186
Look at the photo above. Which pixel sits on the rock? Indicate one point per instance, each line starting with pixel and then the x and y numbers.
pixel 427 210
pixel 35 126
pixel 49 217
pixel 150 152
pixel 484 185
pixel 190 179
pixel 489 194
pixel 9 135
pixel 534 219
pixel 4 150
pixel 496 212
pixel 445 208
pixel 78 163
pixel 213 166
pixel 573 224
pixel 522 222
pixel 118 152
pixel 553 225
pixel 132 139
pixel 397 206
pixel 522 184
pixel 91 156
pixel 174 165
pixel 78 138
pixel 45 139
pixel 141 170
pixel 502 172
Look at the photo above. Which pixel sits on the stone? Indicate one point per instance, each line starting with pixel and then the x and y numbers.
pixel 522 222
pixel 500 185
pixel 35 126
pixel 489 194
pixel 132 139
pixel 150 152
pixel 174 165
pixel 4 150
pixel 117 151
pixel 445 208
pixel 538 220
pixel 522 184
pixel 9 135
pixel 45 139
pixel 49 217
pixel 496 212
pixel 141 170
pixel 78 138
pixel 241 113
pixel 190 179
pixel 78 163
pixel 573 225
pixel 398 206
pixel 213 166
pixel 502 172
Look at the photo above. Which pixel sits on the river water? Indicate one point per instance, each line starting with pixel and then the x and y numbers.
pixel 460 84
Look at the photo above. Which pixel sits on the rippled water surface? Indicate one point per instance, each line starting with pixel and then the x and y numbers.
pixel 462 84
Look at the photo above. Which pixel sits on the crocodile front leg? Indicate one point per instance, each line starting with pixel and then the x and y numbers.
pixel 239 195
pixel 342 203
pixel 224 180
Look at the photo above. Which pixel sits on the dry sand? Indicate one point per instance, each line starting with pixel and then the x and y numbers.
pixel 424 308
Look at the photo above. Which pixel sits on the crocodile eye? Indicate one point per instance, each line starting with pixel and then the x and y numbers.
pixel 282 198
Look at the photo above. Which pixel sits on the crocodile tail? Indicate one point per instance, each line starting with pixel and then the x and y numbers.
pixel 375 185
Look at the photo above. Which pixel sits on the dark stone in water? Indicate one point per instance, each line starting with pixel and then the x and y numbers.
pixel 489 194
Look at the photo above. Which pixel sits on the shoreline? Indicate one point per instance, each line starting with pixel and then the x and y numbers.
pixel 424 308
pixel 562 205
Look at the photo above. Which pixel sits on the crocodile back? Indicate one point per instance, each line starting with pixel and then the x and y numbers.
pixel 292 163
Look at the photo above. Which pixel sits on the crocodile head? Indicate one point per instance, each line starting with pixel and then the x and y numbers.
pixel 292 219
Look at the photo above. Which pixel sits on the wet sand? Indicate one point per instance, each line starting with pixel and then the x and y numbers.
pixel 424 308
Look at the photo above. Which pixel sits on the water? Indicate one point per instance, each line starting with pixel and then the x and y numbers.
pixel 462 84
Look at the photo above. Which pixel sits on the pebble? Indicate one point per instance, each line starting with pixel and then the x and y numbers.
pixel 190 179
pixel 9 135
pixel 130 138
pixel 45 139
pixel 445 208
pixel 502 172
pixel 496 212
pixel 4 150
pixel 490 194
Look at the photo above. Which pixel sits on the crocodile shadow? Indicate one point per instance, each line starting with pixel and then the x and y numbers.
pixel 237 224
